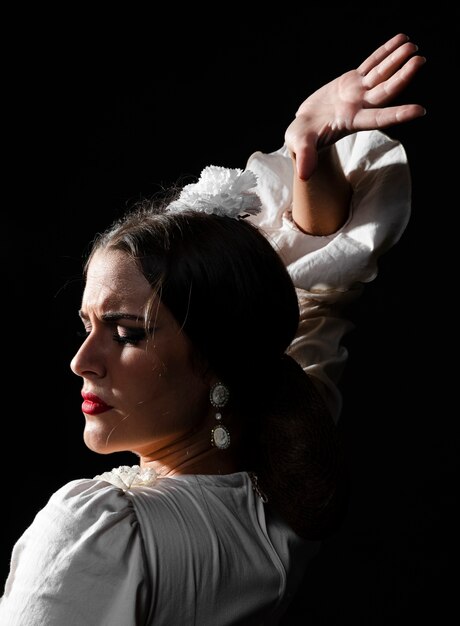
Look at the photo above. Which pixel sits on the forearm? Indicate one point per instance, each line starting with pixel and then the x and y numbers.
pixel 321 203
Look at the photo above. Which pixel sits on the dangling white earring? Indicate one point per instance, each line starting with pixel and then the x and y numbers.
pixel 218 396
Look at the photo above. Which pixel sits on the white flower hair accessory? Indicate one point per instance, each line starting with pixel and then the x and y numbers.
pixel 220 191
pixel 126 477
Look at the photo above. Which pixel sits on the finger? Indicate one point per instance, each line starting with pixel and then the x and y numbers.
pixel 368 119
pixel 382 53
pixel 390 65
pixel 388 89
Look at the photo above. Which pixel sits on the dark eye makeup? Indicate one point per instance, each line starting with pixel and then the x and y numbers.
pixel 123 335
pixel 129 336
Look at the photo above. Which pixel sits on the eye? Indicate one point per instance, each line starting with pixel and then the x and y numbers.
pixel 129 336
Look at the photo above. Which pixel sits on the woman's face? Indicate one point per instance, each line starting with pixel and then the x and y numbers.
pixel 142 390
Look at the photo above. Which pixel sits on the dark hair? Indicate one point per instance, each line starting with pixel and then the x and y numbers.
pixel 231 293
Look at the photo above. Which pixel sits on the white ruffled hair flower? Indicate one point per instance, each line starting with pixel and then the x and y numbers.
pixel 221 191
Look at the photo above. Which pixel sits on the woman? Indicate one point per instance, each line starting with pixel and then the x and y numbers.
pixel 212 350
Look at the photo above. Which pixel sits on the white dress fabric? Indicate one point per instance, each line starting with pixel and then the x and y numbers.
pixel 205 550
pixel 186 550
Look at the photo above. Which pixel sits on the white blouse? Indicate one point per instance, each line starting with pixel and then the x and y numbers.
pixel 203 549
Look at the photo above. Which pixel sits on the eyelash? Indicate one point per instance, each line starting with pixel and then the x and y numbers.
pixel 132 338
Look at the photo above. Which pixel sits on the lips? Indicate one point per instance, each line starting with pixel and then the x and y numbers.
pixel 93 405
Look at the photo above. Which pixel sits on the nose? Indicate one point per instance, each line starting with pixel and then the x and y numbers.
pixel 89 361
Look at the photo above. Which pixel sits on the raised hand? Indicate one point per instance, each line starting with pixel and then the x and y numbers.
pixel 356 100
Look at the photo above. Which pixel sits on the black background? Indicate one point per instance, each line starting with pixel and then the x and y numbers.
pixel 100 109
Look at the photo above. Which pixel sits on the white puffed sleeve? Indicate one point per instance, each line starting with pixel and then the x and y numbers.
pixel 329 271
pixel 81 561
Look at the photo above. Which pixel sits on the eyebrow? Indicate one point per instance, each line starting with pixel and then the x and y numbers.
pixel 114 316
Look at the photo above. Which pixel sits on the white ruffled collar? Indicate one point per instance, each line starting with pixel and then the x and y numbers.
pixel 129 476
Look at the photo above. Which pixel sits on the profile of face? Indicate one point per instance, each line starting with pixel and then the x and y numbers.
pixel 142 389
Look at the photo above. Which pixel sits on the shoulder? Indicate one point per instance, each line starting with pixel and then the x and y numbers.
pixel 81 559
pixel 111 491
pixel 85 497
pixel 81 513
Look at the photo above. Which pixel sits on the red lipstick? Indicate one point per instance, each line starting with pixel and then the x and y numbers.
pixel 93 405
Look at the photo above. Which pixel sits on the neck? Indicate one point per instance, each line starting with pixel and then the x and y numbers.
pixel 191 455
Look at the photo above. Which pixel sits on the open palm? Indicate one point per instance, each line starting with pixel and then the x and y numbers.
pixel 355 101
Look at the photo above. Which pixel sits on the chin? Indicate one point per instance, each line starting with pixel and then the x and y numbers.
pixel 100 444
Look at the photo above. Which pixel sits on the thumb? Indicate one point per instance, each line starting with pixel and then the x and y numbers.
pixel 306 162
